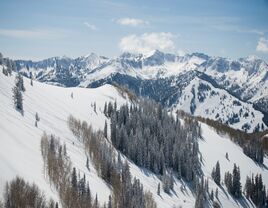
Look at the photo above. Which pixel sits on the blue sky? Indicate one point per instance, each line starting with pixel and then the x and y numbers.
pixel 37 29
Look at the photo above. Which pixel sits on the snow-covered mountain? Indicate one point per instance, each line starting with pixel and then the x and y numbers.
pixel 166 78
pixel 20 141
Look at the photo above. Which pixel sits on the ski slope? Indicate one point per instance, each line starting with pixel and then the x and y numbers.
pixel 20 142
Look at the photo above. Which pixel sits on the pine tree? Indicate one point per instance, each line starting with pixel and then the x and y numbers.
pixel 158 189
pixel 9 66
pixel 105 109
pixel 94 107
pixel 19 82
pixel 96 202
pixel 87 163
pixel 236 188
pixel 217 193
pixel 37 118
pixel 216 174
pixel 18 99
pixel 227 156
pixel 105 129
pixel 74 179
pixel 31 77
pixel 110 202
pixel 212 195
pixel 1 59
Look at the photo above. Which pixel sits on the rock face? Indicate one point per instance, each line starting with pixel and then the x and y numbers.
pixel 191 82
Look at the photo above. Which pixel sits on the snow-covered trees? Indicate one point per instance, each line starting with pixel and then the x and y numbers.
pixel 168 182
pixel 17 93
pixel 232 182
pixel 17 99
pixel 127 192
pixel 19 82
pixel 154 140
pixel 256 191
pixel 254 150
pixel 216 174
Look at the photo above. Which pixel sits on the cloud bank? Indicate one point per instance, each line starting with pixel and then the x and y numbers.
pixel 262 45
pixel 147 42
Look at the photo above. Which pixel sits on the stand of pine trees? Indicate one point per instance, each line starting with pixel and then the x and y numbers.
pixel 153 139
pixel 254 150
pixel 232 182
pixel 256 191
pixel 8 65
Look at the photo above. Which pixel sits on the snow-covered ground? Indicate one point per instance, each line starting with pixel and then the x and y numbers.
pixel 218 104
pixel 20 142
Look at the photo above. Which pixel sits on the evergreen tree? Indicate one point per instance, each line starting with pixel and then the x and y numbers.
pixel 19 82
pixel 236 188
pixel 217 193
pixel 74 179
pixel 105 129
pixel 110 202
pixel 1 59
pixel 216 174
pixel 18 99
pixel 227 156
pixel 9 66
pixel 158 189
pixel 87 163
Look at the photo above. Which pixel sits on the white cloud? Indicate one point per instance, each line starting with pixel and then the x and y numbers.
pixel 91 26
pixel 131 22
pixel 147 42
pixel 33 33
pixel 262 45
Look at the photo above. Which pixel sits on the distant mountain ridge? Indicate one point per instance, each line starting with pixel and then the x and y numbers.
pixel 164 77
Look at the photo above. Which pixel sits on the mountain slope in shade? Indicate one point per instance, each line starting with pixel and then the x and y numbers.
pixel 20 142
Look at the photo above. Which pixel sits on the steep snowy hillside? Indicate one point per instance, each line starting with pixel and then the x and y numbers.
pixel 200 98
pixel 20 142
pixel 20 139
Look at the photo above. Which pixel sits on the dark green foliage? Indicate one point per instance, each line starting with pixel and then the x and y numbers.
pixel 18 99
pixel 255 190
pixel 232 182
pixel 216 174
pixel 154 140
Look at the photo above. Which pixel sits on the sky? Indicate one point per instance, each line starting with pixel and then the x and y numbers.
pixel 38 29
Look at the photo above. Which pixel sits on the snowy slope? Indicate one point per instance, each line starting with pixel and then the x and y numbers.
pixel 213 149
pixel 20 141
pixel 200 98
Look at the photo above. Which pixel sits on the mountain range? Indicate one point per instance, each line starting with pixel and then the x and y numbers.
pixel 234 92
